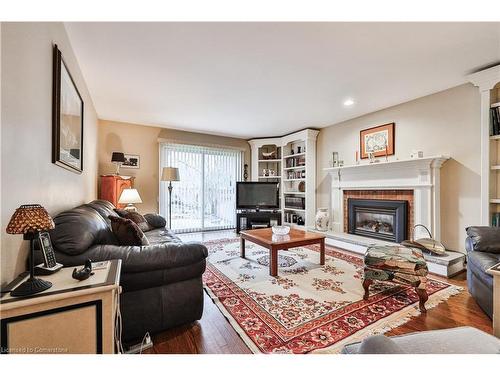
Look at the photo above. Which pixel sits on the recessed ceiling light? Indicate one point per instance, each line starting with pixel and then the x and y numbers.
pixel 348 102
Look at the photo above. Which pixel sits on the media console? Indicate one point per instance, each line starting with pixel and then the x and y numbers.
pixel 257 219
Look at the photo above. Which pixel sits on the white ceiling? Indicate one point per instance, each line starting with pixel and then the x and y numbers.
pixel 262 79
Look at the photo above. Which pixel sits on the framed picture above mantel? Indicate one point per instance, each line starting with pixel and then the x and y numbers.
pixel 67 117
pixel 378 140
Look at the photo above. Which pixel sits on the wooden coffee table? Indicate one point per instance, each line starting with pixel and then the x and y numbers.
pixel 296 238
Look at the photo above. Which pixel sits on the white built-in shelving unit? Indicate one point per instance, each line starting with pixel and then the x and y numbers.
pixel 294 168
pixel 488 82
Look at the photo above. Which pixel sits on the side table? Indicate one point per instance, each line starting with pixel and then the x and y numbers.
pixel 71 317
pixel 495 272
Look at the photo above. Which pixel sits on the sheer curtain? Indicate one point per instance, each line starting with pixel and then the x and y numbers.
pixel 205 196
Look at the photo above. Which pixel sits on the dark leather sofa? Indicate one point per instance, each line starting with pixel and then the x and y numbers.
pixel 483 251
pixel 161 283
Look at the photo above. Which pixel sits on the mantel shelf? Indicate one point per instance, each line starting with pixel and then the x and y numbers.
pixel 439 158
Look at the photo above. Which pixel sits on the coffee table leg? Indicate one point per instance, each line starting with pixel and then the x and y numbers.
pixel 273 265
pixel 242 247
pixel 322 252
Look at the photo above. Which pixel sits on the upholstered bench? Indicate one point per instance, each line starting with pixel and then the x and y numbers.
pixel 403 265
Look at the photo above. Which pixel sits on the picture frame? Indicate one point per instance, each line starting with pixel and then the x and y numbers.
pixel 67 117
pixel 379 140
pixel 132 161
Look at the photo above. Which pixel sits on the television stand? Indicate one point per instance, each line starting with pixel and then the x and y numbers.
pixel 257 219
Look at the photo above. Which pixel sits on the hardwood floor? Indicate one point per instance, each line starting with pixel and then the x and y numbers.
pixel 213 333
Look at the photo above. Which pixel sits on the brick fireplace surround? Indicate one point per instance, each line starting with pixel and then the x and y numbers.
pixel 399 194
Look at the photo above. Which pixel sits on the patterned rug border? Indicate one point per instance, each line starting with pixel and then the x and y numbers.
pixel 383 325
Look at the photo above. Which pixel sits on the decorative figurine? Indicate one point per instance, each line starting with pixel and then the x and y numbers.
pixel 83 273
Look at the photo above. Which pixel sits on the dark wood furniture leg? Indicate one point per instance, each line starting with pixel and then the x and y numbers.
pixel 423 297
pixel 273 264
pixel 322 252
pixel 242 247
pixel 366 286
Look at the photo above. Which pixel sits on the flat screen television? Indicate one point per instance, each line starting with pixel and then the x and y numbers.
pixel 253 195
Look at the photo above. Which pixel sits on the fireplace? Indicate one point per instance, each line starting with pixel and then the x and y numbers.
pixel 378 218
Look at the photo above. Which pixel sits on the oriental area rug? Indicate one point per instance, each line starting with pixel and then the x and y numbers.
pixel 308 308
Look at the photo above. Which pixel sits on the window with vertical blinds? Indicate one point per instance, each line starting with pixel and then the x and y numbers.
pixel 205 196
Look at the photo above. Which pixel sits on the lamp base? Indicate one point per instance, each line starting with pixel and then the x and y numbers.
pixel 31 286
pixel 130 207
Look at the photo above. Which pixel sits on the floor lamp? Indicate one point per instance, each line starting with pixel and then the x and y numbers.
pixel 170 174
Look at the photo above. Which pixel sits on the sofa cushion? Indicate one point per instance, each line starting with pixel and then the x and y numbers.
pixel 159 236
pixel 141 259
pixel 460 340
pixel 156 221
pixel 127 232
pixel 78 229
pixel 485 239
pixel 379 344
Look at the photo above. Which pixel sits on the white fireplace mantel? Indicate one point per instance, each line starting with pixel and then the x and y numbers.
pixel 422 175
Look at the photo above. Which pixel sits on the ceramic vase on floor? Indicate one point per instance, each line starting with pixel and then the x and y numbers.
pixel 322 219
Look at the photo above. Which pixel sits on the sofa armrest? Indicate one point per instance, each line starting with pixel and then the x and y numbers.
pixel 486 239
pixel 152 257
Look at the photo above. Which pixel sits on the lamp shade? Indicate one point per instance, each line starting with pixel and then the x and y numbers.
pixel 130 196
pixel 170 174
pixel 118 157
pixel 30 218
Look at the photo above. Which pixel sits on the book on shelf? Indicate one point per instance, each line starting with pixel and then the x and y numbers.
pixel 495 219
pixel 495 120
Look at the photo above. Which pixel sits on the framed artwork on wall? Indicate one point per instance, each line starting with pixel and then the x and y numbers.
pixel 378 140
pixel 67 117
pixel 132 161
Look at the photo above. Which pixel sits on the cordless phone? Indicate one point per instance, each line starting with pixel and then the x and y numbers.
pixel 50 264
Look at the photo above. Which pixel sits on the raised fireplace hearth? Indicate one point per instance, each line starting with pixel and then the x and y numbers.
pixel 378 218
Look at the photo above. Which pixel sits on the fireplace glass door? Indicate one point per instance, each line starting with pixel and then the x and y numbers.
pixel 375 221
pixel 383 219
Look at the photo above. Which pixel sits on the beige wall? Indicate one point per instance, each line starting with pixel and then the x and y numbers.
pixel 143 141
pixel 27 173
pixel 443 123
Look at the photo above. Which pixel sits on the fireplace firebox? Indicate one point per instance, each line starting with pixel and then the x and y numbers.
pixel 378 218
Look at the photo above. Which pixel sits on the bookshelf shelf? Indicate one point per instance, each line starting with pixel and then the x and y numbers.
pixel 269 176
pixel 494 105
pixel 495 201
pixel 495 167
pixel 297 167
pixel 494 137
pixel 294 155
pixel 270 161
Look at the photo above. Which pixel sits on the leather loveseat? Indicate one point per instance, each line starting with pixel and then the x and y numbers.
pixel 483 251
pixel 161 283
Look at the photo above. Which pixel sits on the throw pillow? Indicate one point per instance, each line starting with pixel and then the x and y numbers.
pixel 156 221
pixel 136 217
pixel 121 212
pixel 127 232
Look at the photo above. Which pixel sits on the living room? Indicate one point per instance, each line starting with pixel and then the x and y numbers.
pixel 250 187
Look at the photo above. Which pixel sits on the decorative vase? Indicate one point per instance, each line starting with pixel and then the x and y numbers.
pixel 322 219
